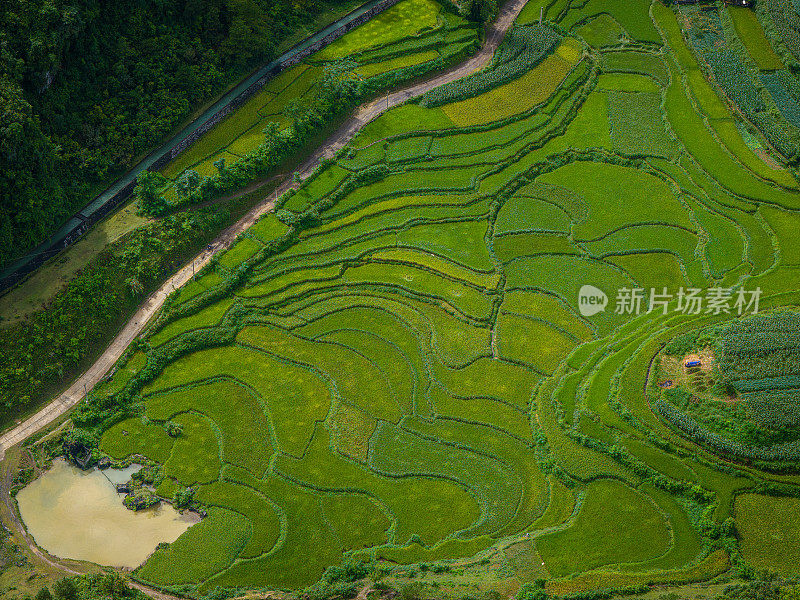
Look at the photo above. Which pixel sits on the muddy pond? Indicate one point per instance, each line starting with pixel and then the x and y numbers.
pixel 79 514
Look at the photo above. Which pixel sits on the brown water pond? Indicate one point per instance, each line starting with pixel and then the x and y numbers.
pixel 79 514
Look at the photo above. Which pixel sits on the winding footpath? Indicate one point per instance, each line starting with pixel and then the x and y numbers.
pixel 361 117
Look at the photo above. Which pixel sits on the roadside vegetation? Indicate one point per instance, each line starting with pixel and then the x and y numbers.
pixel 86 88
pixel 406 41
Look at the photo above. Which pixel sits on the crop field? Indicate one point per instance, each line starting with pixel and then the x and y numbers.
pixel 397 367
pixel 412 32
pixel 769 531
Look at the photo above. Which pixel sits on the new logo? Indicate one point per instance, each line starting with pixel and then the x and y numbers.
pixel 591 300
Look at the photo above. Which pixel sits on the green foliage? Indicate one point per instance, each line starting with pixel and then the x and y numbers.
pixel 688 126
pixel 146 190
pixel 94 586
pixel 77 442
pixel 92 87
pixel 532 591
pixel 49 347
pixel 721 48
pixel 29 172
pixel 761 346
pixel 187 182
pixel 140 499
pixel 173 429
pixel 346 573
pixel 411 591
pixel 65 589
pixel 757 361
pixel 402 374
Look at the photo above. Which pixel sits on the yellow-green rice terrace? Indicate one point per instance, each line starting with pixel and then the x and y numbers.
pixel 507 335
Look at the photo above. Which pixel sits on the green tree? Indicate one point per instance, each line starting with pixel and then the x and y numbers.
pixel 480 11
pixel 31 195
pixel 340 83
pixel 249 35
pixel 147 185
pixel 187 182
pixel 78 441
pixel 411 591
pixel 298 114
pixel 183 498
pixel 791 593
pixel 65 589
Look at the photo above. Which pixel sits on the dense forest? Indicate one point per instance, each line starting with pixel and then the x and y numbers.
pixel 86 86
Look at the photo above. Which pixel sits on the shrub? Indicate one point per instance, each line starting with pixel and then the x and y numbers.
pixel 140 499
pixel 532 591
pixel 65 589
pixel 78 442
pixel 346 573
pixel 411 591
pixel 173 429
pixel 183 498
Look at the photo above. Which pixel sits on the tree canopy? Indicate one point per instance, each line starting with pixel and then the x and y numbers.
pixel 87 86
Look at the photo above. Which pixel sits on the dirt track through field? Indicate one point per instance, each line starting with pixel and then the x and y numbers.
pixel 363 115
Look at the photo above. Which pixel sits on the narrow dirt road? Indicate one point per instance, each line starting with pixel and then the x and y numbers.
pixel 363 115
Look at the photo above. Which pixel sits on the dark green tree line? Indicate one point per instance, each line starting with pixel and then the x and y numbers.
pixel 88 86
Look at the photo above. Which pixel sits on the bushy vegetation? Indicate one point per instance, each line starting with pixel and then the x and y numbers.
pixel 42 351
pixel 85 88
pixel 406 40
pixel 95 586
pixel 726 56
pixel 748 405
pixel 48 348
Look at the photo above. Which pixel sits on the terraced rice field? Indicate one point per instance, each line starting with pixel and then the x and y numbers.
pixel 412 32
pixel 395 367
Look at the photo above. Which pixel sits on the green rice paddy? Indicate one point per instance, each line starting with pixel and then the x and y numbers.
pixel 383 44
pixel 769 531
pixel 411 379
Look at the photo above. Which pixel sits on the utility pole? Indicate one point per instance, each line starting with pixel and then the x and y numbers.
pixel 541 14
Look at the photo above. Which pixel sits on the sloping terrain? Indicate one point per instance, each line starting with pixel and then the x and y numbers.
pixel 395 365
